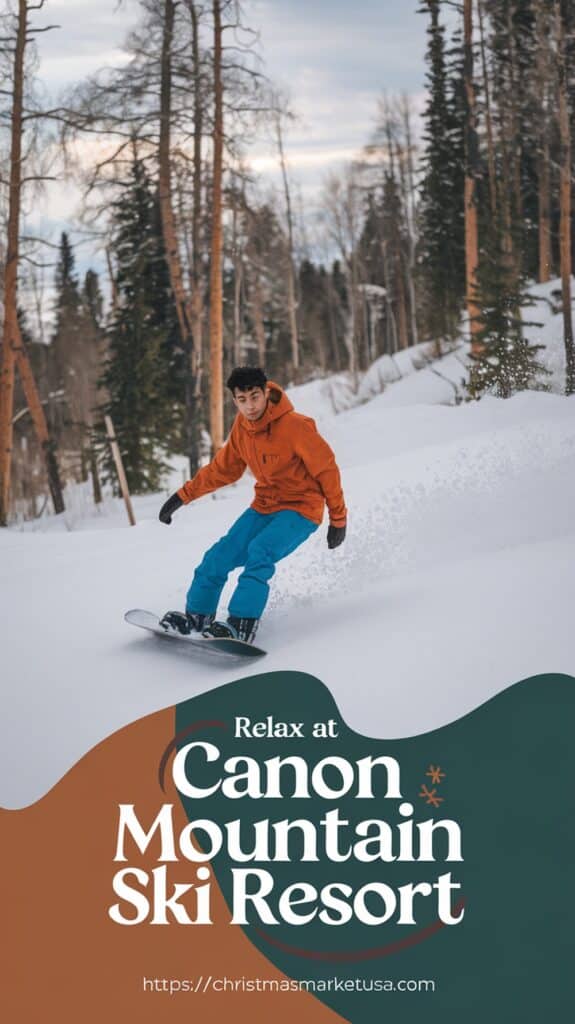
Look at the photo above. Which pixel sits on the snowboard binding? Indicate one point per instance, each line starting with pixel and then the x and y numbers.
pixel 185 622
pixel 234 629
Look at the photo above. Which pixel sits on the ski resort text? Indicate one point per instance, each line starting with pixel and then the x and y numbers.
pixel 326 837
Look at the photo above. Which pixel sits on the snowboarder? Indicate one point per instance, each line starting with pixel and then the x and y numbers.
pixel 296 476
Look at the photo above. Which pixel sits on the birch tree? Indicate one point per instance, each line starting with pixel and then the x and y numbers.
pixel 216 292
pixel 13 349
pixel 471 159
pixel 565 196
pixel 281 115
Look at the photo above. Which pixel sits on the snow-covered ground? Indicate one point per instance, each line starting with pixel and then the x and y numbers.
pixel 456 579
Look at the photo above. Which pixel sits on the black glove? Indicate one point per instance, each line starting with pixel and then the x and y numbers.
pixel 335 536
pixel 169 507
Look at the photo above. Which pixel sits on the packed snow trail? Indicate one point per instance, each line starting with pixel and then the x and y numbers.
pixel 455 582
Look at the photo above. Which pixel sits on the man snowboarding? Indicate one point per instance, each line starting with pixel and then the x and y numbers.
pixel 296 476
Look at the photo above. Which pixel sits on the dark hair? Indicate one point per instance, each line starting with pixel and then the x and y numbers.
pixel 245 377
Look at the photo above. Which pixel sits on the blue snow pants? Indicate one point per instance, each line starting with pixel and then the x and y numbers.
pixel 257 542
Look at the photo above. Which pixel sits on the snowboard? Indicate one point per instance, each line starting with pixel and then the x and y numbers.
pixel 219 645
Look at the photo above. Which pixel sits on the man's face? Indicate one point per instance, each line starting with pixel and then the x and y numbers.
pixel 251 403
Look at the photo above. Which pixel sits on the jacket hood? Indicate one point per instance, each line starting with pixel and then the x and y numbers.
pixel 278 404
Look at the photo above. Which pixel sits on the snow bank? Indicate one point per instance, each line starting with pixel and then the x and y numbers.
pixel 544 326
pixel 324 398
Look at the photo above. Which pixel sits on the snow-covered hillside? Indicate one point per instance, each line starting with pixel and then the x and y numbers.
pixel 455 581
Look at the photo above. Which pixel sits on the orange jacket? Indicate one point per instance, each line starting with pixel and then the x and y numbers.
pixel 294 467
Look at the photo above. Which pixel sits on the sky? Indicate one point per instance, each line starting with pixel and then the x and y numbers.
pixel 334 58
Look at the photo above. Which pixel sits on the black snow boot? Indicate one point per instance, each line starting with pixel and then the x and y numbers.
pixel 234 629
pixel 186 622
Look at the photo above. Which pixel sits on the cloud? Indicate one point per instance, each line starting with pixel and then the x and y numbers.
pixel 335 57
pixel 301 158
pixel 89 36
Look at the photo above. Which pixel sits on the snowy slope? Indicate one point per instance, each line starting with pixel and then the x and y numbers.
pixel 455 581
pixel 544 326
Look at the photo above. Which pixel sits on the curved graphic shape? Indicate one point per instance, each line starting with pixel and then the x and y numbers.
pixel 173 745
pixel 65 960
pixel 501 774
pixel 359 955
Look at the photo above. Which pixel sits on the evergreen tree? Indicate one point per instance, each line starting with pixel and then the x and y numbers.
pixel 74 356
pixel 528 113
pixel 441 251
pixel 66 282
pixel 265 289
pixel 396 244
pixel 370 244
pixel 314 317
pixel 140 373
pixel 340 283
pixel 505 361
pixel 67 311
pixel 511 45
pixel 92 297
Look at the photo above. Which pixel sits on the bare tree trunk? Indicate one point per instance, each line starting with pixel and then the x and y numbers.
pixel 401 305
pixel 165 178
pixel 505 185
pixel 12 348
pixel 113 285
pixel 565 204
pixel 402 295
pixel 197 281
pixel 331 303
pixel 544 200
pixel 471 235
pixel 216 290
pixel 257 312
pixel 181 299
pixel 543 166
pixel 37 283
pixel 410 211
pixel 349 339
pixel 516 193
pixel 406 112
pixel 289 254
pixel 39 420
pixel 509 185
pixel 10 327
pixel 237 258
pixel 488 117
pixel 96 488
pixel 6 409
pixel 119 464
pixel 179 190
pixel 390 322
pixel 354 335
pixel 395 239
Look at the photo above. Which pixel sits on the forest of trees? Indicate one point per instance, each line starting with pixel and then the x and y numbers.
pixel 432 235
